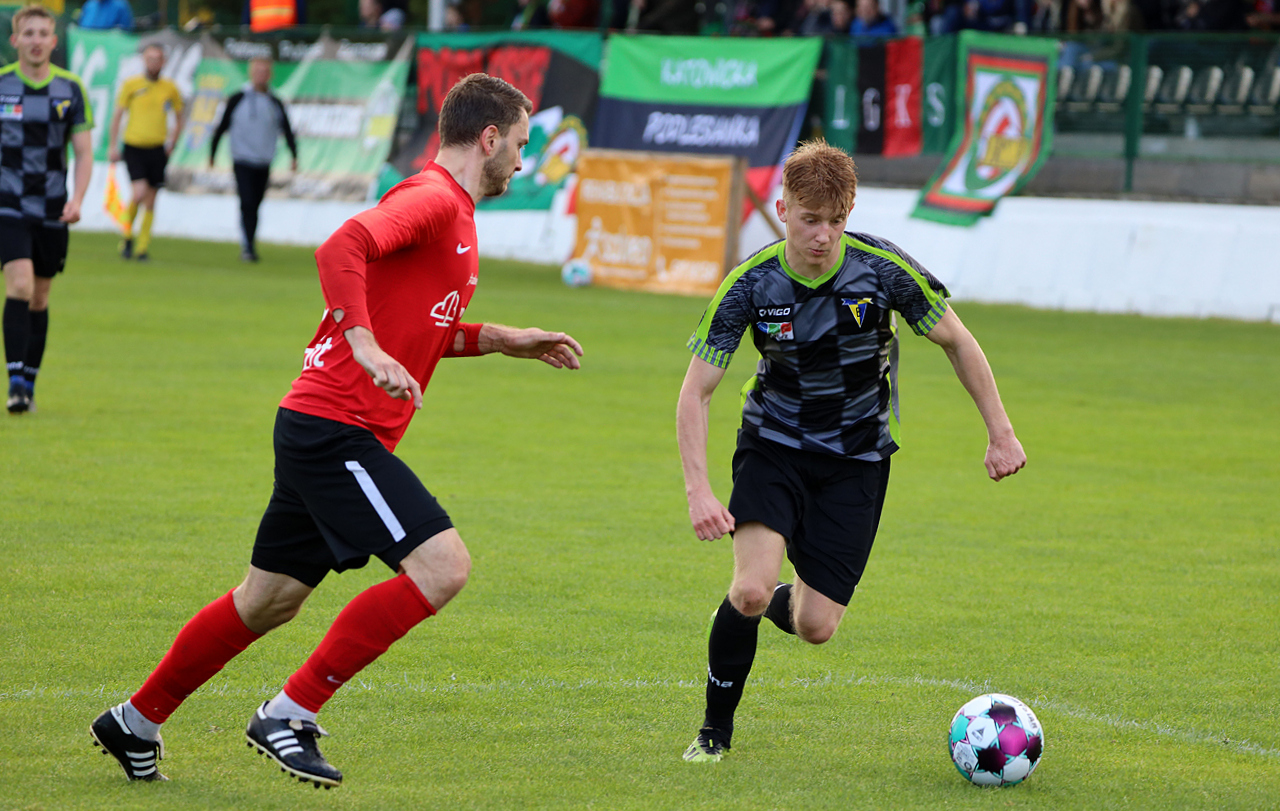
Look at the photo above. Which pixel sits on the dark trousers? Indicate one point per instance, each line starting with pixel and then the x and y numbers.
pixel 251 185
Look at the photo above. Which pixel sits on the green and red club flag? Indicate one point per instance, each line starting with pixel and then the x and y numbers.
pixel 1006 92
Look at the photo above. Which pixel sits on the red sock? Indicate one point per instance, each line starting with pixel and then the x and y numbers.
pixel 363 631
pixel 211 638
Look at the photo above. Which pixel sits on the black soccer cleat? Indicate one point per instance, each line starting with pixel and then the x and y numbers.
pixel 19 401
pixel 292 745
pixel 709 747
pixel 139 757
pixel 143 257
pixel 126 248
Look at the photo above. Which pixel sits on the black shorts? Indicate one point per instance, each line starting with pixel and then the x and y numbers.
pixel 827 508
pixel 45 246
pixel 146 163
pixel 339 497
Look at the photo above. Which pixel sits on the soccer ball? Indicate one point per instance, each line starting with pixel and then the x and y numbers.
pixel 996 740
pixel 576 273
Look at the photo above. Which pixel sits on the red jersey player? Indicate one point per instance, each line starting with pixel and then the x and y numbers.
pixel 396 280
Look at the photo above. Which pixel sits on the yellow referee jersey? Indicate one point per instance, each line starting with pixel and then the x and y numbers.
pixel 148 103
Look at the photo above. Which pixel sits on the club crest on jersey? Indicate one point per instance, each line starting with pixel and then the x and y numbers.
pixel 858 307
pixel 780 331
pixel 60 108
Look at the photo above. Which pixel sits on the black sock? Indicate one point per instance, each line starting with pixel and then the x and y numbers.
pixel 17 332
pixel 779 610
pixel 731 648
pixel 35 346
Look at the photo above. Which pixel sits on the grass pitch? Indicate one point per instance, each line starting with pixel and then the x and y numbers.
pixel 1126 584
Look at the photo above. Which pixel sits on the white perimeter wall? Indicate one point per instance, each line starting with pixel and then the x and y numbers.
pixel 1167 259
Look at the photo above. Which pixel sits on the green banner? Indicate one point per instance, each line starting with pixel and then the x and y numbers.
pixel 102 60
pixel 939 86
pixel 343 115
pixel 840 94
pixel 724 72
pixel 1007 96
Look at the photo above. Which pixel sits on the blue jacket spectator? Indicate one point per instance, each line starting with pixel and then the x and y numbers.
pixel 103 14
pixel 869 21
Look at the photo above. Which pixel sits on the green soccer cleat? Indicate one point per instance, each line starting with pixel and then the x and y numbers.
pixel 708 747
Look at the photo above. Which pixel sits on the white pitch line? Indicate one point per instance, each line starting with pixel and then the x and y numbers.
pixel 964 686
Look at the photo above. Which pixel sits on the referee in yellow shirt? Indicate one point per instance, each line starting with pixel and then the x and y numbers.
pixel 147 100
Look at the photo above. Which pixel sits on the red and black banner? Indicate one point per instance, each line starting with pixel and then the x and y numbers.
pixel 889 98
pixel 548 76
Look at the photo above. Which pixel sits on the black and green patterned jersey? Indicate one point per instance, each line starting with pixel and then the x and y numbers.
pixel 827 377
pixel 36 122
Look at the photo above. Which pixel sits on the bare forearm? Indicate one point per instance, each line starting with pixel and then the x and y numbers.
pixel 84 172
pixel 975 375
pixel 693 416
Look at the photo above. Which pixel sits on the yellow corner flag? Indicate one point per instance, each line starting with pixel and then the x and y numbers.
pixel 113 204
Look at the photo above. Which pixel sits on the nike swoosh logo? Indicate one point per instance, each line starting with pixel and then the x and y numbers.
pixel 332 679
pixel 463 248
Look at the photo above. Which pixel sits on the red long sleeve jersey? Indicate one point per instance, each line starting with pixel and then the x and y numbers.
pixel 406 270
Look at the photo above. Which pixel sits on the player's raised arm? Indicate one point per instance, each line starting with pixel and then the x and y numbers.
pixel 710 518
pixel 558 349
pixel 1004 452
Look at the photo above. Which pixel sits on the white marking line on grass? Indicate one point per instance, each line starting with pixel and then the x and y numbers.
pixel 964 686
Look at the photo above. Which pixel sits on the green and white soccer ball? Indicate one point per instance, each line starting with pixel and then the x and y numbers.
pixel 996 740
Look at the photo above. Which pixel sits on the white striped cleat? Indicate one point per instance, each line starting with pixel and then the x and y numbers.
pixel 139 757
pixel 292 745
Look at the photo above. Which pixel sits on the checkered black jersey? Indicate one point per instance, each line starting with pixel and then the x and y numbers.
pixel 827 377
pixel 36 122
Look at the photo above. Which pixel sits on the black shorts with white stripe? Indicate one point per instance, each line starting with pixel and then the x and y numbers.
pixel 340 497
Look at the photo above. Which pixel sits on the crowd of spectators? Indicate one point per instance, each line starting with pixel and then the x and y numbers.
pixel 860 19
pixel 885 18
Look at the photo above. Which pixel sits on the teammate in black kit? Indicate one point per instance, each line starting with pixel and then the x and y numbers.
pixel 42 109
pixel 819 420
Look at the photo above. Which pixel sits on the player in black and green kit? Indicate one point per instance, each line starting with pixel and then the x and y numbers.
pixel 42 109
pixel 819 420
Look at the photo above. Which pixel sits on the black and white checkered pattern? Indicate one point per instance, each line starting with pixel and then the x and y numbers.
pixel 826 380
pixel 36 122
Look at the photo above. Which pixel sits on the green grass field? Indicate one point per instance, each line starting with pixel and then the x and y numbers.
pixel 1126 584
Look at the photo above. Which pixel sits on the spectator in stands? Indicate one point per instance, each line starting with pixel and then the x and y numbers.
pixel 1109 16
pixel 999 16
pixel 665 16
pixel 453 19
pixel 841 16
pixel 384 15
pixel 813 18
pixel 103 14
pixel 530 14
pixel 870 22
pixel 1211 15
pixel 1265 15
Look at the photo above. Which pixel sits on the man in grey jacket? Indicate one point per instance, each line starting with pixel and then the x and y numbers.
pixel 256 119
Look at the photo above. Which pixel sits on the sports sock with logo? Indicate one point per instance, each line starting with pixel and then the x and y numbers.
pixel 363 631
pixel 779 610
pixel 144 233
pixel 210 639
pixel 128 225
pixel 17 333
pixel 35 347
pixel 731 648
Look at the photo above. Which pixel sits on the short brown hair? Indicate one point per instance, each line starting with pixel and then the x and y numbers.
pixel 478 101
pixel 818 175
pixel 29 11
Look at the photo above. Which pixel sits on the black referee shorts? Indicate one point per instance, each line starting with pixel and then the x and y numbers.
pixel 340 497
pixel 146 163
pixel 23 239
pixel 826 507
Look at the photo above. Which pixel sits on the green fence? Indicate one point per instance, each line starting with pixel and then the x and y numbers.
pixel 1170 96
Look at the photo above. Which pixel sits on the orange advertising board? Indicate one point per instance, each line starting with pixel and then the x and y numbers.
pixel 659 222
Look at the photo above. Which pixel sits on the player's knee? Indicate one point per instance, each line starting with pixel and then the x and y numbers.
pixel 816 632
pixel 261 612
pixel 751 599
